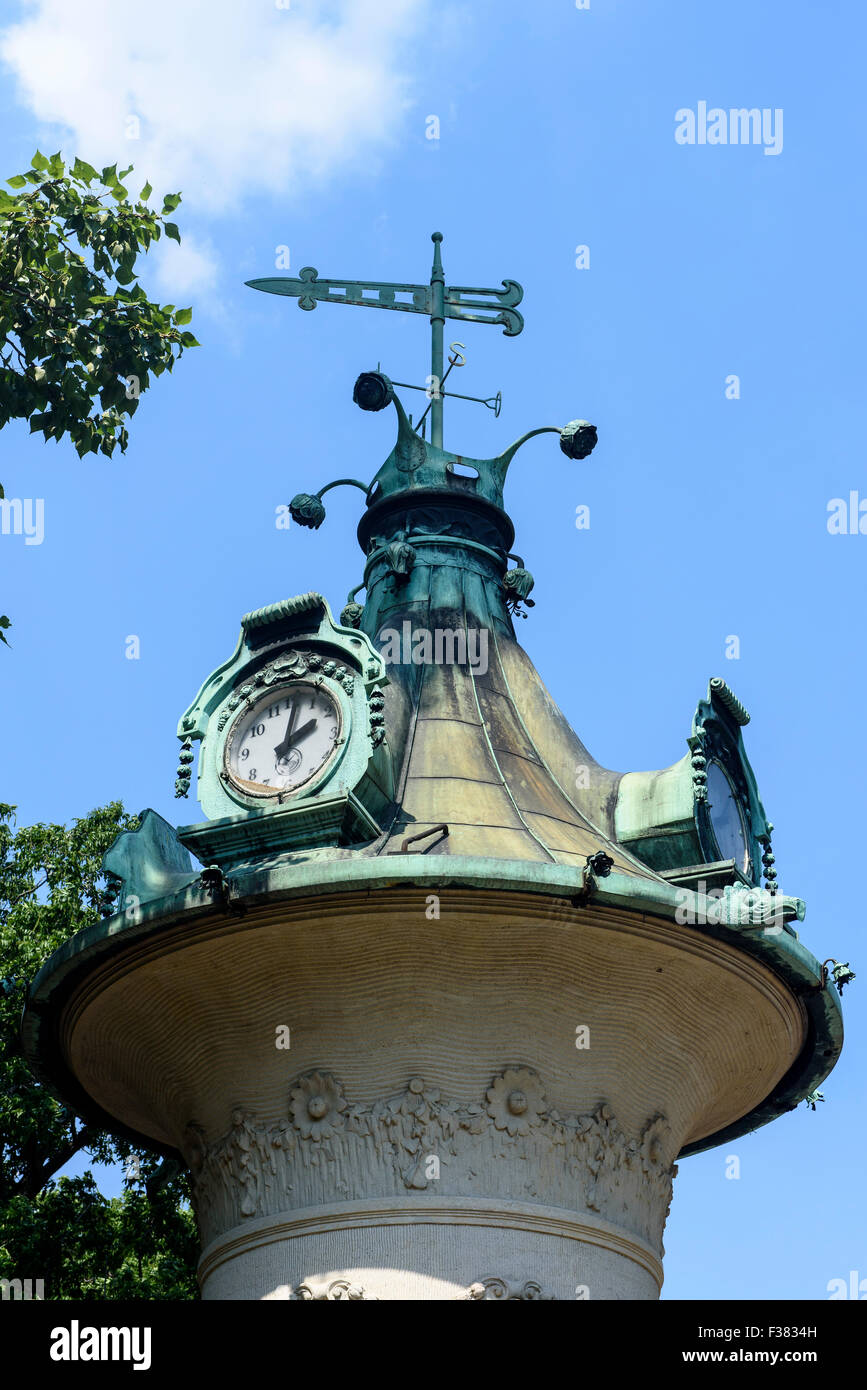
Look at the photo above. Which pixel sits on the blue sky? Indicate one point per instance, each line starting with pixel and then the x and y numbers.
pixel 708 515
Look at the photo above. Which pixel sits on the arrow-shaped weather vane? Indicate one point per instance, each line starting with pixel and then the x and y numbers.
pixel 437 300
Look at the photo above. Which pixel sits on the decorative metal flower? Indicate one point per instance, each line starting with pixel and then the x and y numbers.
pixel 516 1101
pixel 400 557
pixel 316 1106
pixel 578 439
pixel 307 510
pixel 518 583
pixel 351 615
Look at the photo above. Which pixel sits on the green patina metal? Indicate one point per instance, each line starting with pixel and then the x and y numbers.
pixel 345 872
pixel 425 499
pixel 437 544
pixel 294 640
pixel 663 816
pixel 436 300
pixel 423 494
pixel 414 466
pixel 148 863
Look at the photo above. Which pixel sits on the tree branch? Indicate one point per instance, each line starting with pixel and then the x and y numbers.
pixel 13 902
pixel 79 1140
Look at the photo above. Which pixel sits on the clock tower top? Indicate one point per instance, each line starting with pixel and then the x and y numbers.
pixel 408 746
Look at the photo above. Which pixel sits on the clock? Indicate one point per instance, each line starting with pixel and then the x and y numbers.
pixel 284 740
pixel 293 753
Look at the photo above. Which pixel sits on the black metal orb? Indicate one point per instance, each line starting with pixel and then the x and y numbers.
pixel 578 439
pixel 373 391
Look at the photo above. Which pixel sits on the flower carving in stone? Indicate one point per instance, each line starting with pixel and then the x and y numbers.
pixel 327 1148
pixel 338 1291
pixel 516 1100
pixel 316 1106
pixel 491 1288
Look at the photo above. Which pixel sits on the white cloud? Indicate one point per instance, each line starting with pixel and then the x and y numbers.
pixel 233 99
pixel 185 272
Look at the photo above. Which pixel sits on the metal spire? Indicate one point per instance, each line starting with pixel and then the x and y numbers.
pixel 437 300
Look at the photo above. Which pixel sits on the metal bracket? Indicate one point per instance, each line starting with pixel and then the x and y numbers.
pixel 598 865
pixel 214 882
pixel 441 830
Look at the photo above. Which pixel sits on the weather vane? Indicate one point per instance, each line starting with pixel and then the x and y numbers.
pixel 437 300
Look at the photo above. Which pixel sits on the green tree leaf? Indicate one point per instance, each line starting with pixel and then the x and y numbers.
pixel 82 170
pixel 141 1245
pixel 66 330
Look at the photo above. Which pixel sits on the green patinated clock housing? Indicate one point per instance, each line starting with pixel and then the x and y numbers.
pixel 702 819
pixel 327 784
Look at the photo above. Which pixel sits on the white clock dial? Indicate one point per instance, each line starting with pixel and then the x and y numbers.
pixel 284 739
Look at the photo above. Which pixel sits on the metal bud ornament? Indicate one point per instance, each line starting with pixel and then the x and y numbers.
pixel 401 558
pixel 351 615
pixel 842 975
pixel 578 439
pixel 518 583
pixel 307 510
pixel 373 391
pixel 601 863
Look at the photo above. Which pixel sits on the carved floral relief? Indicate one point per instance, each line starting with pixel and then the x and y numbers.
pixel 510 1145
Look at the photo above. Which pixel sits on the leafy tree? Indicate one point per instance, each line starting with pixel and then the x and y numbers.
pixel 142 1245
pixel 79 339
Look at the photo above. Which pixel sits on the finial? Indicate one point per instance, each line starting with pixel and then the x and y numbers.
pixel 437 271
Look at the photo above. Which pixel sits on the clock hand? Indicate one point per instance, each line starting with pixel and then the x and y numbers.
pixel 299 734
pixel 283 748
pixel 289 742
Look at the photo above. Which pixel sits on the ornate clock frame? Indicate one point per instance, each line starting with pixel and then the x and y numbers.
pixel 296 640
pixel 664 817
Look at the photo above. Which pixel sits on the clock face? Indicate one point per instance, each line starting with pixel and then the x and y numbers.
pixel 283 740
pixel 726 817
